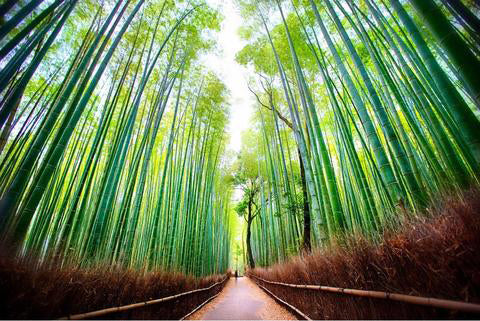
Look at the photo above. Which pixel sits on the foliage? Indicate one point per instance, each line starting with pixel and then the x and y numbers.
pixel 376 110
pixel 117 137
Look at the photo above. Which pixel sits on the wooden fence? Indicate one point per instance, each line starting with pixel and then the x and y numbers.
pixel 102 312
pixel 425 301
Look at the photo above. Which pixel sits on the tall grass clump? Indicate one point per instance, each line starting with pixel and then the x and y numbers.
pixel 32 291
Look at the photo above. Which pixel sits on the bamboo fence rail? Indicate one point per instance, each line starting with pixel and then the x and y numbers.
pixel 101 312
pixel 303 315
pixel 426 301
pixel 200 306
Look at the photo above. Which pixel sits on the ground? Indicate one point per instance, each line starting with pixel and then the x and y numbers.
pixel 242 299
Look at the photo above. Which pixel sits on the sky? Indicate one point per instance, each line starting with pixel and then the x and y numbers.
pixel 235 76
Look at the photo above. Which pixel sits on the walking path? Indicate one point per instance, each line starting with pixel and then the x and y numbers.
pixel 242 299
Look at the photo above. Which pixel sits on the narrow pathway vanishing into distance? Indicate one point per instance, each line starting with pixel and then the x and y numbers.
pixel 242 299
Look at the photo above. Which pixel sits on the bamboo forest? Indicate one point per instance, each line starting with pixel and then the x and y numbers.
pixel 161 158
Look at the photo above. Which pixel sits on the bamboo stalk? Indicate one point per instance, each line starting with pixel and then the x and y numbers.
pixel 426 301
pixel 101 312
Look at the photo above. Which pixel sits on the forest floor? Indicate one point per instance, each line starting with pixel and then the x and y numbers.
pixel 241 299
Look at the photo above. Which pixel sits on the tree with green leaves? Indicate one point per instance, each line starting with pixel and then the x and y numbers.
pixel 247 180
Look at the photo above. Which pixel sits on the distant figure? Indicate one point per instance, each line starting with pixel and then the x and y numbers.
pixel 236 274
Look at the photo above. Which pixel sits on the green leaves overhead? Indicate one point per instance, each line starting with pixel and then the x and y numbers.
pixel 113 135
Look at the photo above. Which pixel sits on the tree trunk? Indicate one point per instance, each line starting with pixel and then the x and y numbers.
pixel 5 8
pixel 251 262
pixel 458 51
pixel 307 245
pixel 460 111
pixel 465 13
pixel 8 127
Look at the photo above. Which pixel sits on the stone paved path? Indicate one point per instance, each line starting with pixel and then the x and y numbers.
pixel 242 299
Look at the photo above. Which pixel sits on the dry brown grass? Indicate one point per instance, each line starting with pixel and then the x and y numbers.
pixel 49 293
pixel 434 257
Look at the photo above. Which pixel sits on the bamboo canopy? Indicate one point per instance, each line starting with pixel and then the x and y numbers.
pixel 114 131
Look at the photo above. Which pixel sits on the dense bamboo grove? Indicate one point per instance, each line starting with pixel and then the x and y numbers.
pixel 113 143
pixel 113 136
pixel 367 112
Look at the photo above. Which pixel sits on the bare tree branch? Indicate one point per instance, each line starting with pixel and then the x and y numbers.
pixel 272 107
